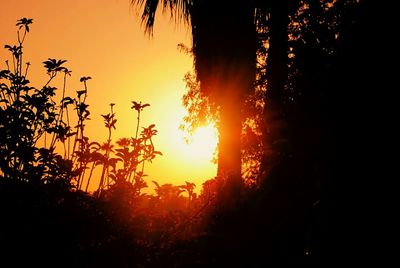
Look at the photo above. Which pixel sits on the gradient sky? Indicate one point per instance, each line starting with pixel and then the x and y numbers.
pixel 104 39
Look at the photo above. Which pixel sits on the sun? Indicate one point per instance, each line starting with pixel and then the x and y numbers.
pixel 201 144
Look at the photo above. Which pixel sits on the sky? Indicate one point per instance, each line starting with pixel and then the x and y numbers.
pixel 104 39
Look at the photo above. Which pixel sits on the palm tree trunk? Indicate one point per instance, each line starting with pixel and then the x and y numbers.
pixel 224 45
pixel 229 160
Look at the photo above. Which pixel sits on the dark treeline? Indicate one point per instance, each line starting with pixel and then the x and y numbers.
pixel 316 78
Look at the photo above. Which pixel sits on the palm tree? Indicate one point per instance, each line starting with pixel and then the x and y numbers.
pixel 224 46
pixel 224 38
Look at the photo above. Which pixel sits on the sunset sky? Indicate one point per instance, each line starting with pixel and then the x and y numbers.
pixel 104 39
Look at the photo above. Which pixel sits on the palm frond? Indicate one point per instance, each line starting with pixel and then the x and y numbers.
pixel 179 11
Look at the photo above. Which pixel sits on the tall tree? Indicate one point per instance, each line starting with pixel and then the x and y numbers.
pixel 224 46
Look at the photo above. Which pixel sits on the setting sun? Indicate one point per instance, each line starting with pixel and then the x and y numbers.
pixel 201 145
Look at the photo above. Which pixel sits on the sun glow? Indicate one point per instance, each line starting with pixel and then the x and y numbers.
pixel 200 145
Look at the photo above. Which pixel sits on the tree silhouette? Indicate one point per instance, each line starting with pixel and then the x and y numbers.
pixel 224 45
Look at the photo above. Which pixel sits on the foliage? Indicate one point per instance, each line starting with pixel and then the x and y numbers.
pixel 40 145
pixel 132 154
pixel 201 111
pixel 30 116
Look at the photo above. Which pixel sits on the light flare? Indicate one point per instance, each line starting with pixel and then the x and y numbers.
pixel 201 144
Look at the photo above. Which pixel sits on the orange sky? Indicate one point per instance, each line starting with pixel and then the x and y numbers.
pixel 104 39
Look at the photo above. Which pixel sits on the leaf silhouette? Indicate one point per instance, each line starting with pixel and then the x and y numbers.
pixel 24 22
pixel 156 184
pixel 81 92
pixel 53 65
pixel 157 152
pixel 85 78
pixel 138 106
pixel 66 101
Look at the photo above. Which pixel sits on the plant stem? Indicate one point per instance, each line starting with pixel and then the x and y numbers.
pixel 90 176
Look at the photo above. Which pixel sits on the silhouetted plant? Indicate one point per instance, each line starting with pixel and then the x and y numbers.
pixel 27 117
pixel 189 188
pixel 126 161
pixel 107 147
pixel 139 108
